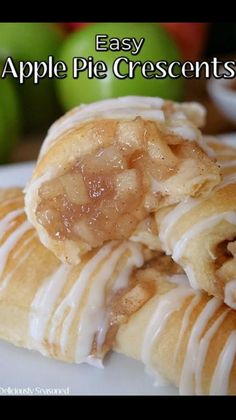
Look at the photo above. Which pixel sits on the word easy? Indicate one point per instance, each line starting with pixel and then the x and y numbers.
pixel 103 43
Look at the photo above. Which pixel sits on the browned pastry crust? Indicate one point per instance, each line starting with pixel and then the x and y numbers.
pixel 69 313
pixel 183 335
pixel 74 313
pixel 200 234
pixel 101 173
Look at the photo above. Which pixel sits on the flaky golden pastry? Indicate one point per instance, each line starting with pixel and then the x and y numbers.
pixel 69 313
pixel 182 335
pixel 120 296
pixel 200 234
pixel 105 167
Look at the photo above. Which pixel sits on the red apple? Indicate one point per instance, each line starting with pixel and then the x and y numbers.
pixel 190 37
pixel 73 26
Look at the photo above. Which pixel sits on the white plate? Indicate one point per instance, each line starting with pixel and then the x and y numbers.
pixel 24 371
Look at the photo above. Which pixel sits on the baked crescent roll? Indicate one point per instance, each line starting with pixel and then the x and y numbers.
pixel 69 313
pixel 200 233
pixel 105 167
pixel 77 314
pixel 182 335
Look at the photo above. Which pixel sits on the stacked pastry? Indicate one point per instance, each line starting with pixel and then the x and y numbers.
pixel 200 234
pixel 119 184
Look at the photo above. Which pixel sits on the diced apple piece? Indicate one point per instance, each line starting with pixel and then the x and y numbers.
pixel 51 189
pixel 49 218
pixel 161 153
pixel 99 187
pixel 104 160
pixel 130 134
pixel 151 202
pixel 82 229
pixel 125 225
pixel 109 208
pixel 75 188
pixel 126 182
pixel 113 158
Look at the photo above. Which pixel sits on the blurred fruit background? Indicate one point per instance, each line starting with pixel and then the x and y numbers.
pixel 26 111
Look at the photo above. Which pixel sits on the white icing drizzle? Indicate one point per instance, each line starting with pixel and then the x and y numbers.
pixel 220 379
pixel 135 259
pixel 222 152
pixel 203 348
pixel 198 344
pixel 185 322
pixel 72 300
pixel 6 222
pixel 178 115
pixel 120 108
pixel 187 375
pixel 227 180
pixel 227 163
pixel 10 201
pixel 128 107
pixel 209 143
pixel 96 272
pixel 92 317
pixel 44 302
pixel 146 236
pixel 13 238
pixel 226 144
pixel 198 228
pixel 172 218
pixel 102 331
pixel 179 279
pixel 20 261
pixel 152 115
pixel 32 236
pixel 230 293
pixel 11 242
pixel 185 131
pixel 165 306
pixel 207 149
pixel 96 362
pixel 191 276
pixel 229 141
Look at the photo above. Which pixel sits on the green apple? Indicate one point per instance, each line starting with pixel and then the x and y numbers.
pixel 158 45
pixel 29 41
pixel 33 41
pixel 9 119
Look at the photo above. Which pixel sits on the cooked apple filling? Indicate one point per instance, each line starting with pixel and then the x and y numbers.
pixel 104 195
